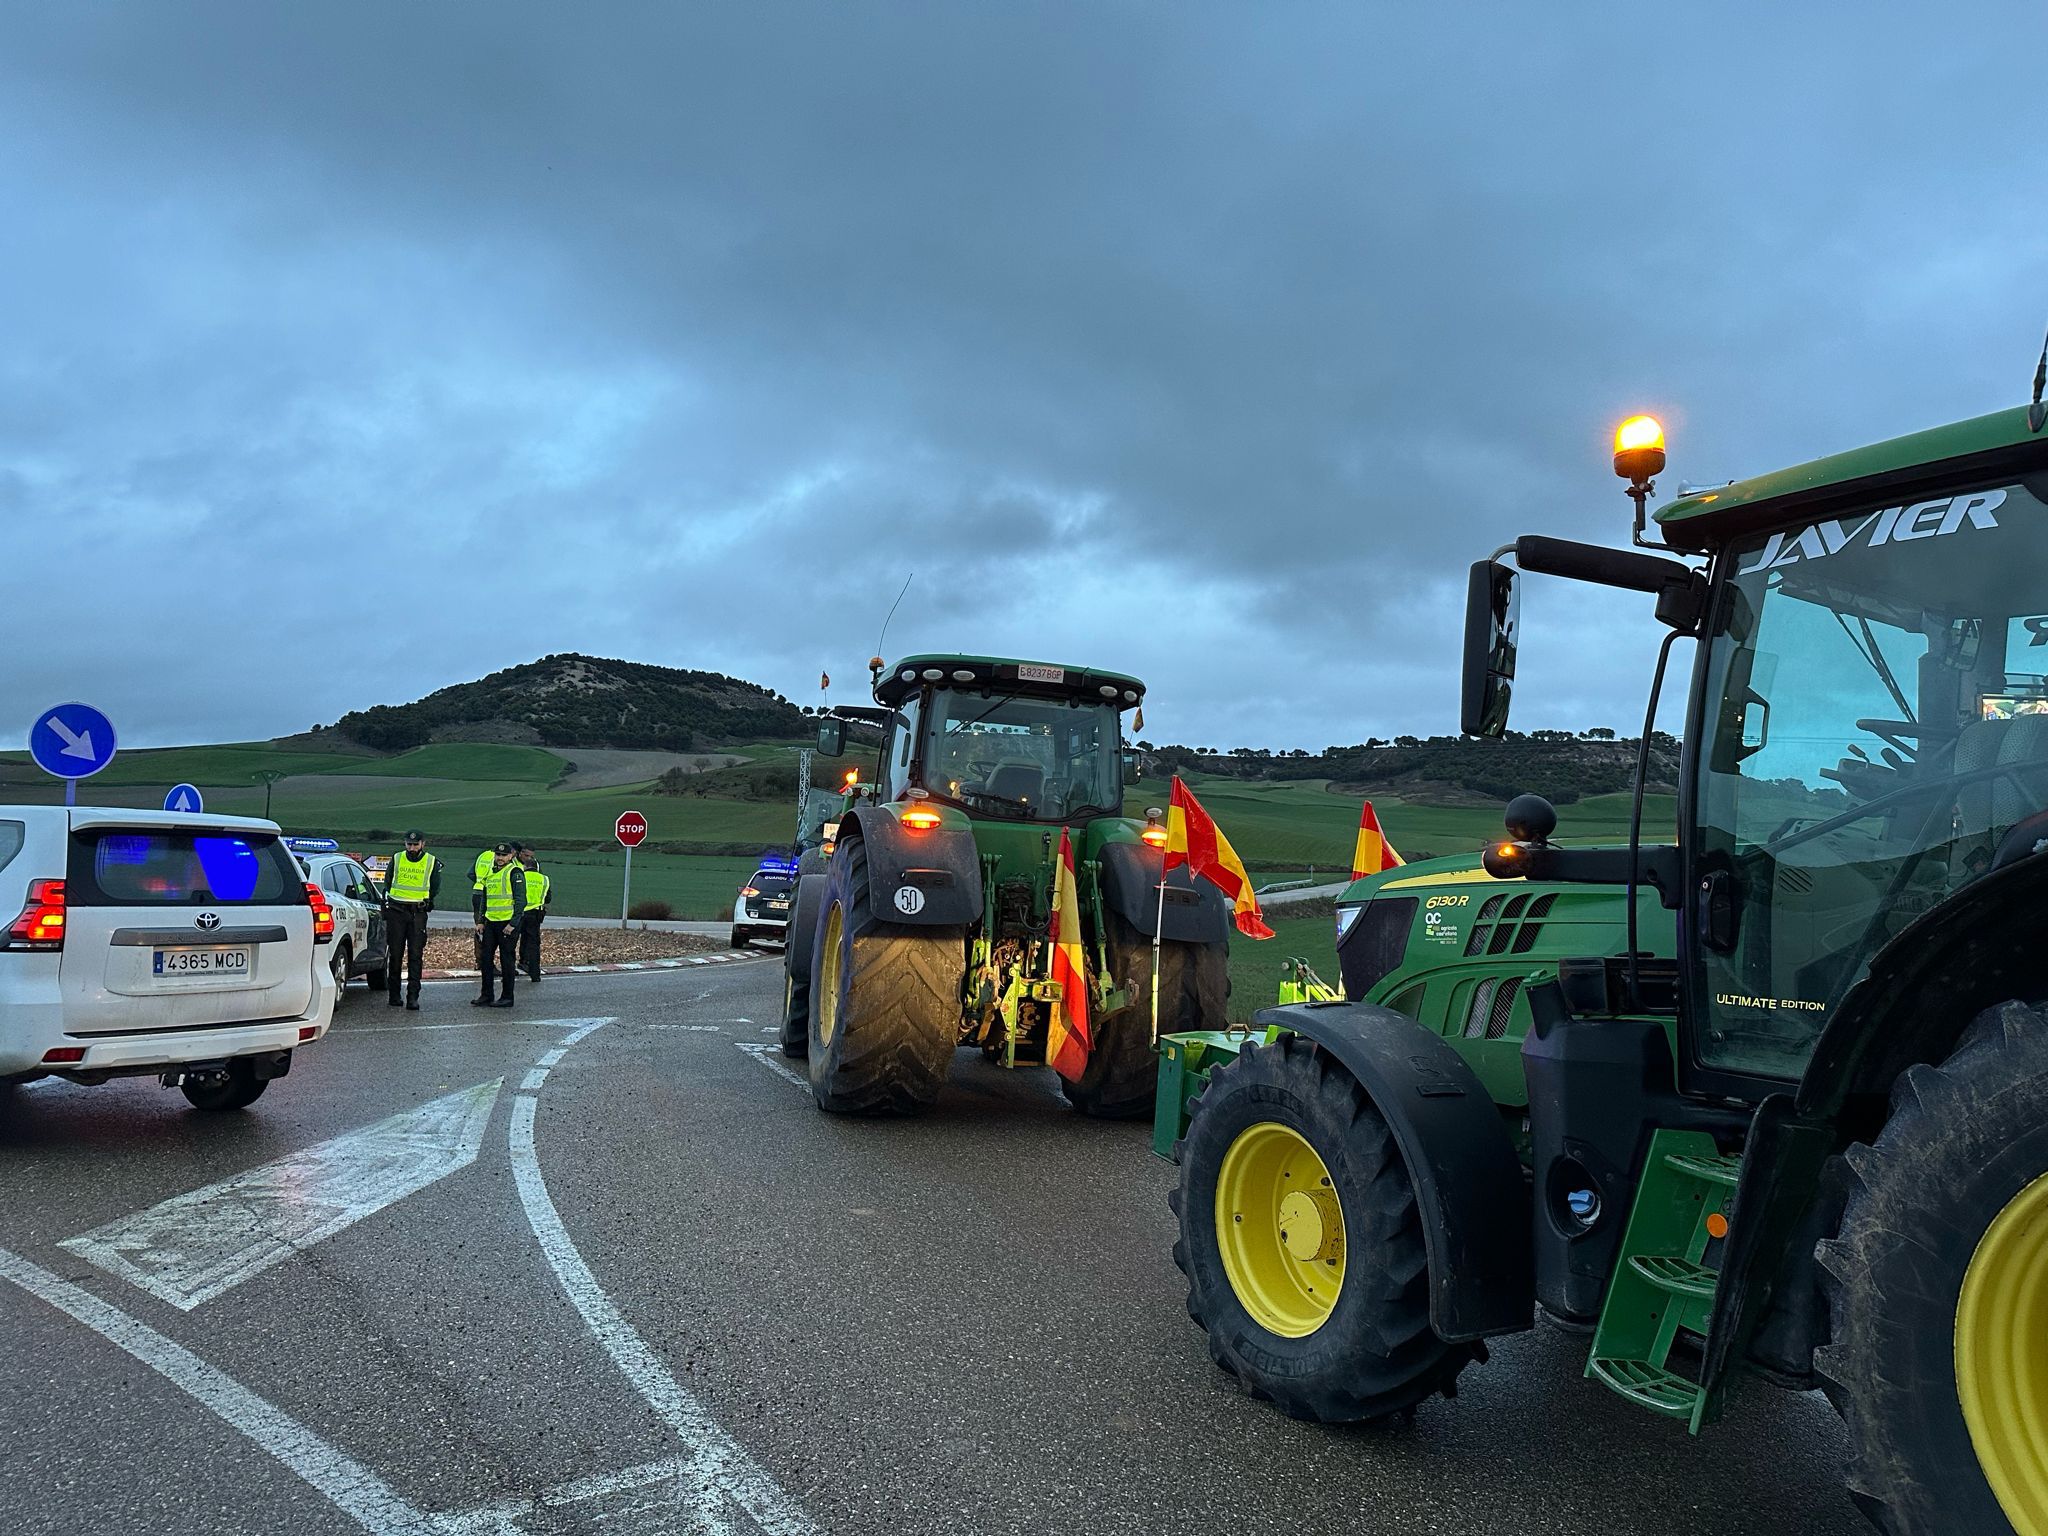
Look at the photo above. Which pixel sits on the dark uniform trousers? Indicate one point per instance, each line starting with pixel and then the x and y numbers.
pixel 498 954
pixel 529 943
pixel 405 943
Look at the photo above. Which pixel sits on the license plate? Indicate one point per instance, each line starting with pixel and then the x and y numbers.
pixel 201 962
pixel 778 906
pixel 1031 672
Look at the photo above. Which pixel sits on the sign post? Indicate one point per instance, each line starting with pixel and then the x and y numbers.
pixel 71 742
pixel 184 797
pixel 631 831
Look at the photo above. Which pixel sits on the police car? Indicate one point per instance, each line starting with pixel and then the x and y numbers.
pixel 761 910
pixel 181 946
pixel 358 903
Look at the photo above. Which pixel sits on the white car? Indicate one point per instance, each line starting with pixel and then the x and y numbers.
pixel 157 944
pixel 358 903
pixel 761 910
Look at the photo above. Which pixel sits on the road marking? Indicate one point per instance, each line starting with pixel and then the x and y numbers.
pixel 646 1500
pixel 767 1055
pixel 352 1487
pixel 718 1471
pixel 692 1029
pixel 193 1247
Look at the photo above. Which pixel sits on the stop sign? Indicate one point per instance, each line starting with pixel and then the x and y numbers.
pixel 630 829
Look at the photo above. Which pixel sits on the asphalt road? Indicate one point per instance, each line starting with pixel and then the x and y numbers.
pixel 623 1277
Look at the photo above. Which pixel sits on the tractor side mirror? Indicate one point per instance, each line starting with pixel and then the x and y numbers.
pixel 1492 628
pixel 832 738
pixel 1134 768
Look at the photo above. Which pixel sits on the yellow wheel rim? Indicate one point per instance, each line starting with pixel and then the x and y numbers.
pixel 1280 1229
pixel 825 987
pixel 2002 1357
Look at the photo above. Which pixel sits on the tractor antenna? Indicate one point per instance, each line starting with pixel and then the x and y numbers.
pixel 2037 413
pixel 877 664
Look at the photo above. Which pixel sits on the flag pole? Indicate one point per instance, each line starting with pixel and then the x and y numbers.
pixel 1158 924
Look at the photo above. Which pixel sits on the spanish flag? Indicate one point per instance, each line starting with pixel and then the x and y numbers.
pixel 1066 1032
pixel 1196 841
pixel 1373 853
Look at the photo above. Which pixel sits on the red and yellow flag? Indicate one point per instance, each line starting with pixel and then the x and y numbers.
pixel 1373 853
pixel 1193 839
pixel 1067 1041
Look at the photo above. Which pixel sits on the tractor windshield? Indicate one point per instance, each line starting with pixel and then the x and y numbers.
pixel 1877 739
pixel 1023 759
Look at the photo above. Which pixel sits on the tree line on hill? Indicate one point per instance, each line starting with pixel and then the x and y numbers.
pixel 1558 765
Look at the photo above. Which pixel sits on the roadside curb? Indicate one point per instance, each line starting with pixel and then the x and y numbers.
pixel 673 963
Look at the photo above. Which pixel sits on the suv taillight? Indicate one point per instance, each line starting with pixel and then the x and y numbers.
pixel 41 924
pixel 323 914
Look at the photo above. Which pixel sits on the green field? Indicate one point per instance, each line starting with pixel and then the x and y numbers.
pixel 700 848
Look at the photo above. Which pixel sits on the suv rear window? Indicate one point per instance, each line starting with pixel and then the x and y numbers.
pixel 114 867
pixel 770 884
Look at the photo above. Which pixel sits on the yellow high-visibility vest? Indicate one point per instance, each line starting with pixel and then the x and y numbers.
pixel 498 902
pixel 411 879
pixel 484 861
pixel 536 889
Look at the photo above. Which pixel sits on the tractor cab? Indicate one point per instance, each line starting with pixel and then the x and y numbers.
pixel 1007 740
pixel 1869 726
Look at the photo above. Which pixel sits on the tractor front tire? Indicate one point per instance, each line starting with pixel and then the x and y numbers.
pixel 1302 1241
pixel 1935 1282
pixel 884 1003
pixel 798 939
pixel 1122 1075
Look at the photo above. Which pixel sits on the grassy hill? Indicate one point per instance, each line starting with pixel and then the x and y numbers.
pixel 581 701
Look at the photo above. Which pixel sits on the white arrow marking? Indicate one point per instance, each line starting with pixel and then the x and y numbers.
pixel 182 803
pixel 195 1246
pixel 78 744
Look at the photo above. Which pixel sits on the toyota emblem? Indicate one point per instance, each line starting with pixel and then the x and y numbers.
pixel 208 919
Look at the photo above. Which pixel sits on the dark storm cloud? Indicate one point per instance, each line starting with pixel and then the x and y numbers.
pixel 1210 342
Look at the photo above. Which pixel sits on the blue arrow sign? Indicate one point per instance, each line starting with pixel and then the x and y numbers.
pixel 71 741
pixel 184 797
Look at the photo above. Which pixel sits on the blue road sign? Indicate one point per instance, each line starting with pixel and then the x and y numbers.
pixel 184 797
pixel 71 741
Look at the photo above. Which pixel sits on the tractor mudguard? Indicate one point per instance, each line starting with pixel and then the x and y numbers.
pixel 1196 911
pixel 1468 1180
pixel 929 879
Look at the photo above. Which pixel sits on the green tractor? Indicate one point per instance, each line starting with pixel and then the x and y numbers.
pixel 926 926
pixel 1812 1148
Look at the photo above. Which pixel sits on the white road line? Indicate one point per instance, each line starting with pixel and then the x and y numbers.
pixel 193 1247
pixel 720 1471
pixel 654 1489
pixel 352 1487
pixel 770 1057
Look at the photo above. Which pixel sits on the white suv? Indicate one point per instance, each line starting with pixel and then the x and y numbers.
pixel 157 943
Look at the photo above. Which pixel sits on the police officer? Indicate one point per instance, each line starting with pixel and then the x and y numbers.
pixel 538 887
pixel 485 863
pixel 410 891
pixel 498 904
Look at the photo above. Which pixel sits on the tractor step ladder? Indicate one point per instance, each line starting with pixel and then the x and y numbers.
pixel 1664 1282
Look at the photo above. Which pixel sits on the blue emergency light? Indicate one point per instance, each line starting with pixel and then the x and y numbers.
pixel 312 845
pixel 778 863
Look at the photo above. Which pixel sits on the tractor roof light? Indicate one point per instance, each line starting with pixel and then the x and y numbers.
pixel 1639 448
pixel 1639 459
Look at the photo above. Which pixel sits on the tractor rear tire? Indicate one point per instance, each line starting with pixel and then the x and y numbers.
pixel 797 942
pixel 1940 1382
pixel 1122 1075
pixel 885 1001
pixel 1286 1149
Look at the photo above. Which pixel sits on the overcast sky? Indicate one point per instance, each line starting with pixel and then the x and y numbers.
pixel 351 350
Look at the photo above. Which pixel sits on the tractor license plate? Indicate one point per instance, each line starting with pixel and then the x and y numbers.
pixel 1032 672
pixel 201 962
